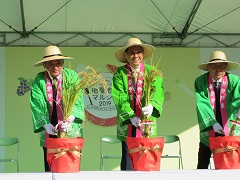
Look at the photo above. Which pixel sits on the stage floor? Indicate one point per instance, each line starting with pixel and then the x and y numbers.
pixel 110 175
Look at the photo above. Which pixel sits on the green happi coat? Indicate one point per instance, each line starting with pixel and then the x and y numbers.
pixel 205 113
pixel 122 101
pixel 40 106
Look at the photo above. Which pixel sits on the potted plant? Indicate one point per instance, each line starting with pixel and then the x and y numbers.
pixel 226 149
pixel 145 152
pixel 64 152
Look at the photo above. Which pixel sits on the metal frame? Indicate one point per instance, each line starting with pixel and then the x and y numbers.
pixel 10 141
pixel 168 139
pixel 87 39
pixel 109 139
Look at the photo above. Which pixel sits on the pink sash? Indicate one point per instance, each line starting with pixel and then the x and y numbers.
pixel 58 97
pixel 223 102
pixel 135 95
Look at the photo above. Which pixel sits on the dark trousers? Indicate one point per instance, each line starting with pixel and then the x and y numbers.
pixel 204 155
pixel 46 166
pixel 126 163
pixel 54 122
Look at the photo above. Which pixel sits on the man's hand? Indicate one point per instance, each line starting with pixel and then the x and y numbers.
pixel 148 110
pixel 238 115
pixel 135 121
pixel 70 118
pixel 218 128
pixel 66 125
pixel 49 128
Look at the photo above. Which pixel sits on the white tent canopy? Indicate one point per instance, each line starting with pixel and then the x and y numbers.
pixel 177 23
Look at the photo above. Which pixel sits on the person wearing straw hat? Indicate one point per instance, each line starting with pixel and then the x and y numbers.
pixel 45 100
pixel 217 95
pixel 127 94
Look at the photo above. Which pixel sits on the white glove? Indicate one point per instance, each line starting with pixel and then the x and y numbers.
pixel 135 121
pixel 49 128
pixel 66 125
pixel 70 118
pixel 238 114
pixel 148 110
pixel 217 128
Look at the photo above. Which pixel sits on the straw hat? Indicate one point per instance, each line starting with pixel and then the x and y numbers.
pixel 218 57
pixel 120 53
pixel 51 53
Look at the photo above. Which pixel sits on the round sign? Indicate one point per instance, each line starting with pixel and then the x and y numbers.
pixel 99 106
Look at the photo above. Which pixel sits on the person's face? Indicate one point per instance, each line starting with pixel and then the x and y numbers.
pixel 54 67
pixel 217 70
pixel 134 56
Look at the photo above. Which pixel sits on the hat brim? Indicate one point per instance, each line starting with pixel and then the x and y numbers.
pixel 40 63
pixel 230 65
pixel 120 53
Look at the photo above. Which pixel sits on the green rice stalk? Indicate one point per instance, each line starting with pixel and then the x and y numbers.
pixel 75 87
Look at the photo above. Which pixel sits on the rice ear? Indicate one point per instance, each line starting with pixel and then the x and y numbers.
pixel 88 78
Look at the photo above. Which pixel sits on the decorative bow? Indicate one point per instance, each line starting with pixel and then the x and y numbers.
pixel 60 152
pixel 144 150
pixel 226 149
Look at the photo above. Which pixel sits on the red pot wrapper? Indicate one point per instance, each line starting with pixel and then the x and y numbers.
pixel 145 153
pixel 226 151
pixel 63 154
